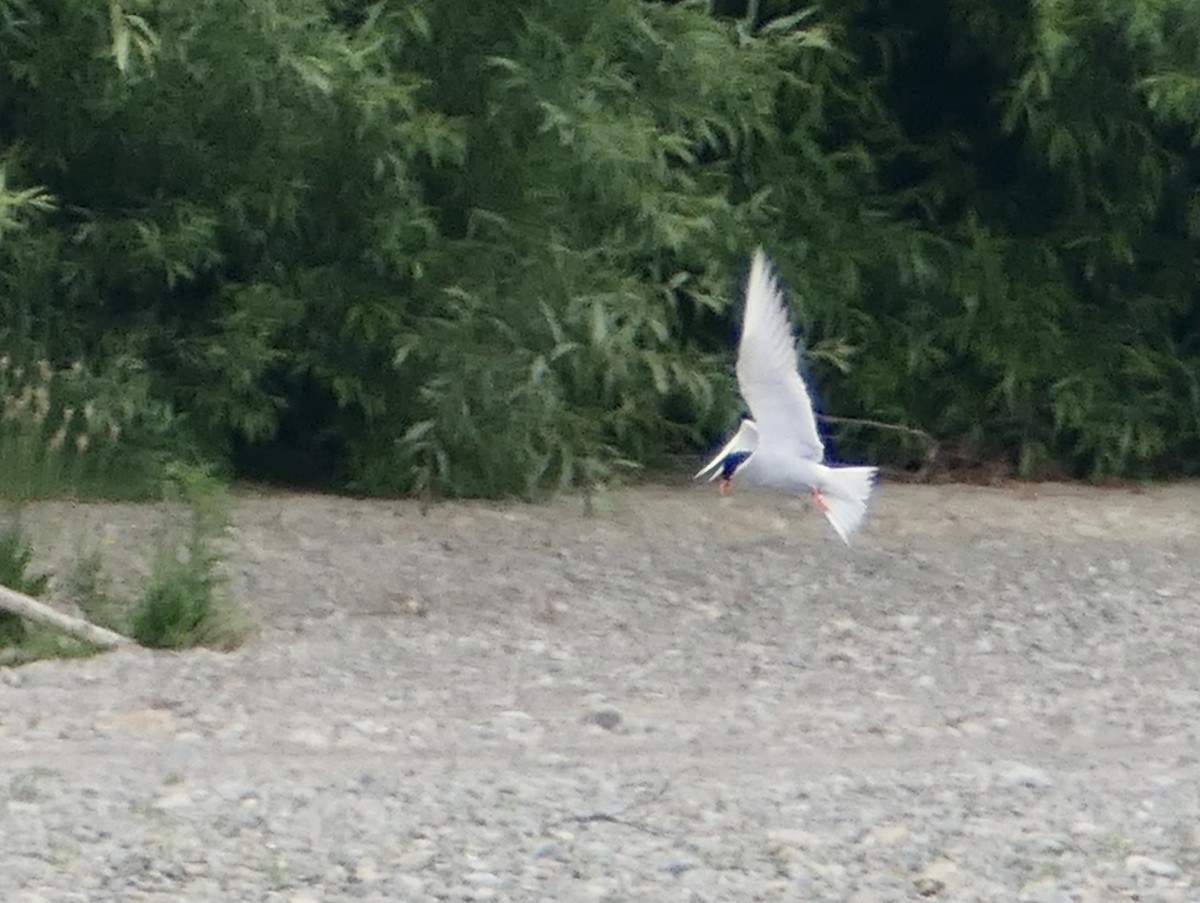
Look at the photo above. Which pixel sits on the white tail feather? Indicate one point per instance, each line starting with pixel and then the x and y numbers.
pixel 846 491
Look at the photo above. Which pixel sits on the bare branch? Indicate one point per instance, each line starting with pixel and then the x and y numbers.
pixel 933 448
pixel 880 425
pixel 33 610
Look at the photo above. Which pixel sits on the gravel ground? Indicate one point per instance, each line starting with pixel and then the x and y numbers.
pixel 993 695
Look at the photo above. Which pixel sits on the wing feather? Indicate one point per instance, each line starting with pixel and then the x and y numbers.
pixel 766 368
pixel 745 439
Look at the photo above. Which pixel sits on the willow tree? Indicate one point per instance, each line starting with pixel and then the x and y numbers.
pixel 1045 313
pixel 495 248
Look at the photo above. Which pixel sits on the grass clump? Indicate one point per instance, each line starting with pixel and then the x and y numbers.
pixel 88 587
pixel 74 430
pixel 15 554
pixel 185 604
pixel 22 642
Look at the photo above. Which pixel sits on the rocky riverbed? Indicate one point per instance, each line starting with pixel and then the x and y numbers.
pixel 994 694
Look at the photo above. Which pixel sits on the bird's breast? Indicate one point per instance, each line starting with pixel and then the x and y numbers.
pixel 776 470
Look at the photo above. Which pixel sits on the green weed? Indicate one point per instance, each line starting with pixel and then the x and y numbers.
pixel 15 555
pixel 182 605
pixel 75 431
pixel 185 603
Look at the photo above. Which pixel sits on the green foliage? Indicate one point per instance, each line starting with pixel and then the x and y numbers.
pixel 493 249
pixel 22 642
pixel 1039 303
pixel 15 204
pixel 74 430
pixel 183 604
pixel 88 587
pixel 15 555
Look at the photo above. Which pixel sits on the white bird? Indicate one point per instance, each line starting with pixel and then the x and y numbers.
pixel 781 448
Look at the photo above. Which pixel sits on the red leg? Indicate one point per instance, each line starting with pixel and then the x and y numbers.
pixel 819 500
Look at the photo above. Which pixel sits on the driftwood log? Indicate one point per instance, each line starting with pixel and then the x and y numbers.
pixel 33 610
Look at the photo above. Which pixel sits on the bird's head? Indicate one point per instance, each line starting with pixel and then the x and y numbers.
pixel 729 465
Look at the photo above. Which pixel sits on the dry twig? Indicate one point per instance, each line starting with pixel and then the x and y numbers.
pixel 29 608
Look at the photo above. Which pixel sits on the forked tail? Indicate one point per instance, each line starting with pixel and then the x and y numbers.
pixel 845 493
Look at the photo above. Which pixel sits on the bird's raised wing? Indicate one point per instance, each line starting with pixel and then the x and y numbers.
pixel 766 368
pixel 744 440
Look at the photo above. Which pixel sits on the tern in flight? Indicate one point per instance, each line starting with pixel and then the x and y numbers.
pixel 780 447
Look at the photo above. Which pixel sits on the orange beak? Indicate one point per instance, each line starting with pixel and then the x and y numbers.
pixel 723 486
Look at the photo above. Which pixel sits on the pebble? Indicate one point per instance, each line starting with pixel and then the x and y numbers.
pixel 412 884
pixel 310 737
pixel 885 835
pixel 336 759
pixel 607 717
pixel 678 866
pixel 174 799
pixel 1146 865
pixel 1021 775
pixel 941 875
pixel 485 879
pixel 366 869
pixel 1045 890
pixel 547 849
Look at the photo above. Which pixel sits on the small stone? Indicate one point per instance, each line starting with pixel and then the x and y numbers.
pixel 607 717
pixel 556 760
pixel 366 869
pixel 482 892
pixel 336 874
pixel 310 737
pixel 939 876
pixel 414 885
pixel 483 879
pixel 795 837
pixel 236 790
pixel 1021 775
pixel 1053 843
pixel 547 849
pixel 176 799
pixel 1158 867
pixel 369 728
pixel 598 851
pixel 884 835
pixel 416 860
pixel 416 607
pixel 678 866
pixel 1045 890
pixel 928 887
pixel 843 628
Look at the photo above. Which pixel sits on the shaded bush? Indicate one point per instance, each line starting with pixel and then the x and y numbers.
pixel 494 249
pixel 15 556
pixel 184 605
